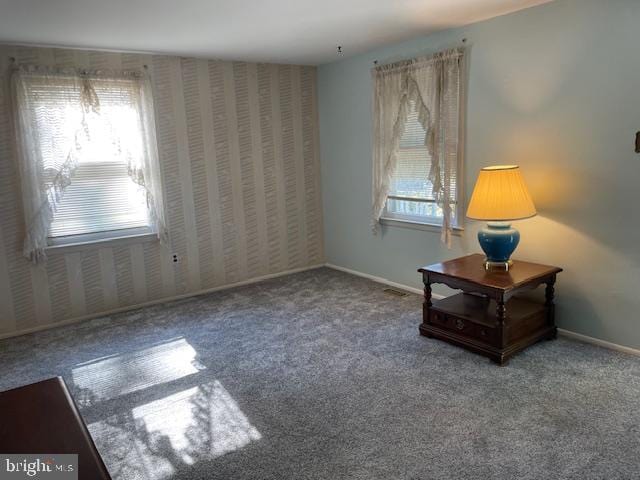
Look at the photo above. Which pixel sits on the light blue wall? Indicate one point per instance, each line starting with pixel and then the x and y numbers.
pixel 555 89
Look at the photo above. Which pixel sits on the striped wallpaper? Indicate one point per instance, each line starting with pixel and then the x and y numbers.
pixel 238 145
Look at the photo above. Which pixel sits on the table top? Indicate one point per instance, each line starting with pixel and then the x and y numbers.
pixel 471 269
pixel 42 418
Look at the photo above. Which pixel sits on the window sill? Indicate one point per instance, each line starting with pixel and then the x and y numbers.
pixel 427 227
pixel 102 243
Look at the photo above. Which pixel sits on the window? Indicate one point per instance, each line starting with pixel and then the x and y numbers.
pixel 101 196
pixel 411 192
pixel 416 169
pixel 88 163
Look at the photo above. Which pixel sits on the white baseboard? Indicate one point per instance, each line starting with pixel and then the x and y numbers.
pixel 598 342
pixel 561 331
pixel 70 321
pixel 376 279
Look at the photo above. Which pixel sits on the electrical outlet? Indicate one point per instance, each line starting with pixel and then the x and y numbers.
pixel 175 258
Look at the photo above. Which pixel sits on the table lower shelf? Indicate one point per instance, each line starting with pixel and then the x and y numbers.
pixel 469 321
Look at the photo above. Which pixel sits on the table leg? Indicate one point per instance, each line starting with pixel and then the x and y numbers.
pixel 501 315
pixel 501 311
pixel 549 294
pixel 426 307
pixel 427 296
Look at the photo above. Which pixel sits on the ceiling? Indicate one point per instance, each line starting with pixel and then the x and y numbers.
pixel 282 31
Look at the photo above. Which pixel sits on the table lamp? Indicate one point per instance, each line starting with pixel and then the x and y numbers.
pixel 500 195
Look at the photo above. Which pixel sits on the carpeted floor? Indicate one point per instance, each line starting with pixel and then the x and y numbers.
pixel 321 375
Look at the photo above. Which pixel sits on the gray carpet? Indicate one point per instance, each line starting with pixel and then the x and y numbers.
pixel 320 375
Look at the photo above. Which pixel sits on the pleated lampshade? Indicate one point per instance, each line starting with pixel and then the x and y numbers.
pixel 500 194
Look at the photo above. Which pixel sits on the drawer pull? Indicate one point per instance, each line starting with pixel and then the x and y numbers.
pixel 459 324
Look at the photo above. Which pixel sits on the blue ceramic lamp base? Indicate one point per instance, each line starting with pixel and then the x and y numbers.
pixel 498 240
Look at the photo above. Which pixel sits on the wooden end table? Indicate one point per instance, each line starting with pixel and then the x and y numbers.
pixel 487 317
pixel 42 418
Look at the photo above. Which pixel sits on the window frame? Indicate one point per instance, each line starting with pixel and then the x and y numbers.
pixel 417 222
pixel 92 241
pixel 84 238
pixel 421 225
pixel 136 234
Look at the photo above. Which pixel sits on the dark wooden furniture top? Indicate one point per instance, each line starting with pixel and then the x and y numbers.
pixel 469 271
pixel 42 418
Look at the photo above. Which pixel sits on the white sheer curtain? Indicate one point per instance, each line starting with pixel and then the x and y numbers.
pixel 58 121
pixel 434 83
pixel 390 107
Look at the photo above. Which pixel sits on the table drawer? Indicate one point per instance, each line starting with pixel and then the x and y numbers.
pixel 464 327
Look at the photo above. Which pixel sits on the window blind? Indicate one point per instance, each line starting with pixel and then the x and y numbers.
pixel 101 198
pixel 411 178
pixel 95 146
